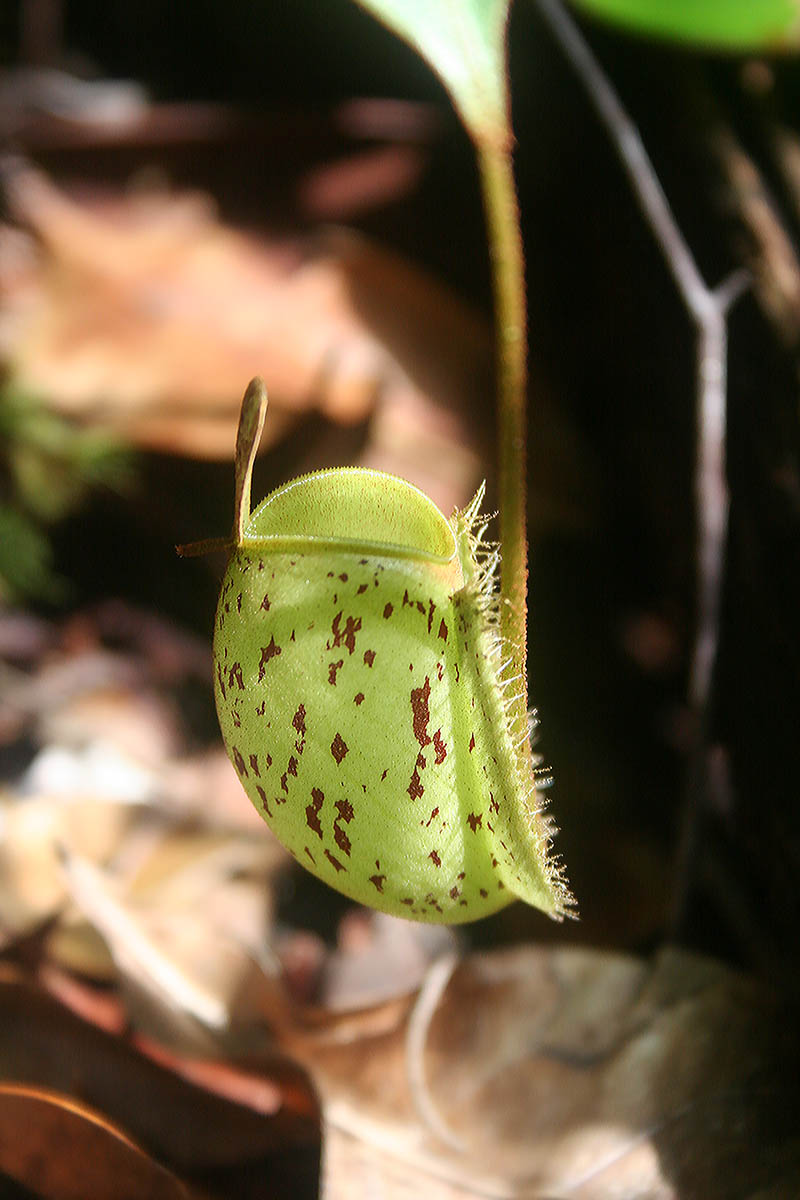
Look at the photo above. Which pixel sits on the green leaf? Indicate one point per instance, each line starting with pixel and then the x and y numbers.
pixel 738 25
pixel 53 462
pixel 26 560
pixel 464 42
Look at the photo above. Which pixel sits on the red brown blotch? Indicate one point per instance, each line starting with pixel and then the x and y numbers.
pixel 484 893
pixel 299 724
pixel 338 748
pixel 267 652
pixel 440 749
pixel 369 657
pixel 475 821
pixel 333 669
pixel 254 765
pixel 454 893
pixel 359 698
pixel 335 862
pixel 264 800
pixel 471 742
pixel 415 788
pixel 433 816
pixel 346 635
pixel 409 900
pixel 435 859
pixel 310 855
pixel 420 712
pixel 345 810
pixel 313 810
pixel 378 881
pixel 238 761
pixel 235 675
pixel 431 609
pixel 388 609
pixel 265 602
pixel 292 766
pixel 362 587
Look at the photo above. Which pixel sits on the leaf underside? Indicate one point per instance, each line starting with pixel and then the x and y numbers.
pixel 464 42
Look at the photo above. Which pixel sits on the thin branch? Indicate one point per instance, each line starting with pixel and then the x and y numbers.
pixel 708 308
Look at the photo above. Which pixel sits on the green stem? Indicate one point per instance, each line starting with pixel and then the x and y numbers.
pixel 508 279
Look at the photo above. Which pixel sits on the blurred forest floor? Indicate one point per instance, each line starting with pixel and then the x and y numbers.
pixel 183 1012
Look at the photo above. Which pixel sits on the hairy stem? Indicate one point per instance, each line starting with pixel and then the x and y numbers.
pixel 508 278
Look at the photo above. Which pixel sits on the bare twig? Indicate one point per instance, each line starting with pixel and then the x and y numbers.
pixel 708 308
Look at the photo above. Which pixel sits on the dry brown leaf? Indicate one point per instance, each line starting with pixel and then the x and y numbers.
pixel 347 187
pixel 380 957
pixel 64 1150
pixel 181 914
pixel 567 1073
pixel 31 832
pixel 194 960
pixel 149 316
pixel 224 1148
